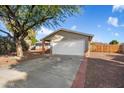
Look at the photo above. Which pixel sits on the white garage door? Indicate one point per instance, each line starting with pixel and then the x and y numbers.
pixel 69 47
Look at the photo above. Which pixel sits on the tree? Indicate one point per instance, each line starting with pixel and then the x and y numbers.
pixel 113 42
pixel 31 37
pixel 6 45
pixel 19 20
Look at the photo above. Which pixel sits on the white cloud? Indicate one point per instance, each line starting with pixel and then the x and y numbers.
pixel 42 32
pixel 97 39
pixel 118 8
pixel 113 21
pixel 45 31
pixel 74 27
pixel 116 34
pixel 99 26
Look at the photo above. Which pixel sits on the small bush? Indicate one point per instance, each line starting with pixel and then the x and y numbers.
pixel 113 42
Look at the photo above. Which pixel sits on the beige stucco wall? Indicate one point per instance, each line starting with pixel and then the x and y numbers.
pixel 70 36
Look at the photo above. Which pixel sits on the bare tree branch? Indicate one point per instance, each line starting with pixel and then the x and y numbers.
pixel 6 33
pixel 18 6
pixel 13 15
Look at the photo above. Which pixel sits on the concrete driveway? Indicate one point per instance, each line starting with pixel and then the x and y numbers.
pixel 48 72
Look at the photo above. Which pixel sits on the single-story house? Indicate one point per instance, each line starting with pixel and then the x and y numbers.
pixel 68 42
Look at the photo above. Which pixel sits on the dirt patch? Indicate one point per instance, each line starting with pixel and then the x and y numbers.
pixel 7 61
pixel 11 59
pixel 105 70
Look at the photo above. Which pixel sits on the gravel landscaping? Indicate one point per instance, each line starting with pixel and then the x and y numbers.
pixel 105 70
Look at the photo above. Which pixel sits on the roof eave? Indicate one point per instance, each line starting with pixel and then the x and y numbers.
pixel 66 30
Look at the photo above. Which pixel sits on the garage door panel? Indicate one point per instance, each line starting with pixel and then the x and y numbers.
pixel 69 47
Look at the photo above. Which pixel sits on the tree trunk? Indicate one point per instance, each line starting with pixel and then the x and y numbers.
pixel 19 49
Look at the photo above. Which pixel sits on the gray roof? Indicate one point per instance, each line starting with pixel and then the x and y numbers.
pixel 71 31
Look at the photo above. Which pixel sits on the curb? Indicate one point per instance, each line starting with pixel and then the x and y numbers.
pixel 79 80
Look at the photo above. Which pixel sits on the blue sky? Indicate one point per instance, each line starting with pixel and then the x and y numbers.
pixel 105 22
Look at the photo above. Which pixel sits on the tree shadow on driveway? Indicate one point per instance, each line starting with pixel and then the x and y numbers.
pixel 48 72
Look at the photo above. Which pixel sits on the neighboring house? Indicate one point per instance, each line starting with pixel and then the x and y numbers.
pixel 68 42
pixel 37 47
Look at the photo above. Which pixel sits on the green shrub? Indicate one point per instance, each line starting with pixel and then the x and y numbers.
pixel 113 42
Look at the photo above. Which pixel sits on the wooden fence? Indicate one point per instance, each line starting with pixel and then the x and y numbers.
pixel 106 48
pixel 122 47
